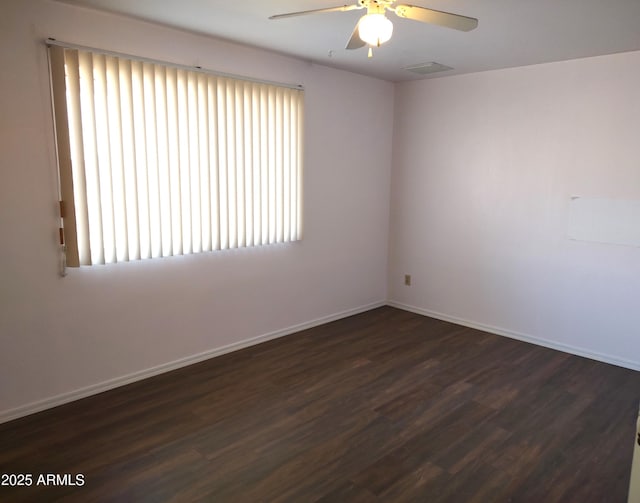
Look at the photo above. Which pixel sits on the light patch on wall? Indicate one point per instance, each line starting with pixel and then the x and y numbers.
pixel 613 221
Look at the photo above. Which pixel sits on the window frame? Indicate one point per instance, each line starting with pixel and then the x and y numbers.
pixel 73 224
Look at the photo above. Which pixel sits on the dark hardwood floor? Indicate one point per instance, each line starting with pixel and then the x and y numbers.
pixel 383 406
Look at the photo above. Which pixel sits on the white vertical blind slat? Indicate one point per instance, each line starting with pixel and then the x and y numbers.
pixel 271 192
pixel 248 164
pixel 92 176
pixel 214 166
pixel 194 162
pixel 286 166
pixel 139 128
pixel 294 170
pixel 279 165
pixel 299 168
pixel 116 168
pixel 231 163
pixel 264 163
pixel 74 116
pixel 203 142
pixel 222 163
pixel 153 185
pixel 255 148
pixel 101 117
pixel 128 161
pixel 185 179
pixel 164 184
pixel 173 145
pixel 238 166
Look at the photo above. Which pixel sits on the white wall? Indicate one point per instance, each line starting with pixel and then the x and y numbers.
pixel 484 166
pixel 60 335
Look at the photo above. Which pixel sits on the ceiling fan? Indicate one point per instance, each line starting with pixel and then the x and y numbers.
pixel 374 28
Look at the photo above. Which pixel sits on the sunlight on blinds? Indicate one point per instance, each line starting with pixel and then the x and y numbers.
pixel 167 161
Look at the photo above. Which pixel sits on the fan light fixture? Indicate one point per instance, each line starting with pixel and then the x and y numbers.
pixel 375 29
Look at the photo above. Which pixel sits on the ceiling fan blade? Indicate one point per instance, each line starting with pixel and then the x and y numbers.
pixel 355 42
pixel 342 8
pixel 446 19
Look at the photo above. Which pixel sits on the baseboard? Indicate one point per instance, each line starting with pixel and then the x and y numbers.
pixel 566 348
pixel 94 389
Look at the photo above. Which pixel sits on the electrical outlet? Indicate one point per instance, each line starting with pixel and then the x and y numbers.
pixel 407 279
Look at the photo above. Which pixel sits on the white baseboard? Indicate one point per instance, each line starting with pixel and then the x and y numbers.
pixel 48 403
pixel 613 360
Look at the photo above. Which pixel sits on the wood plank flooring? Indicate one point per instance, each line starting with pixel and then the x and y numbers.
pixel 386 406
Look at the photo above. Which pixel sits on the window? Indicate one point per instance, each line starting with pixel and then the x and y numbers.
pixel 158 160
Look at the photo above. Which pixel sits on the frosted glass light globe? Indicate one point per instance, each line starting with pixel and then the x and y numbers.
pixel 375 29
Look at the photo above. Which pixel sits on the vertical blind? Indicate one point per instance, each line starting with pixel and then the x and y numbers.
pixel 157 160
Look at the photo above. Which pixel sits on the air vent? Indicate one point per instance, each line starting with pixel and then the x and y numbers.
pixel 426 68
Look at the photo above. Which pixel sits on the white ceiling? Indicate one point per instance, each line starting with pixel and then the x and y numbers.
pixel 510 32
